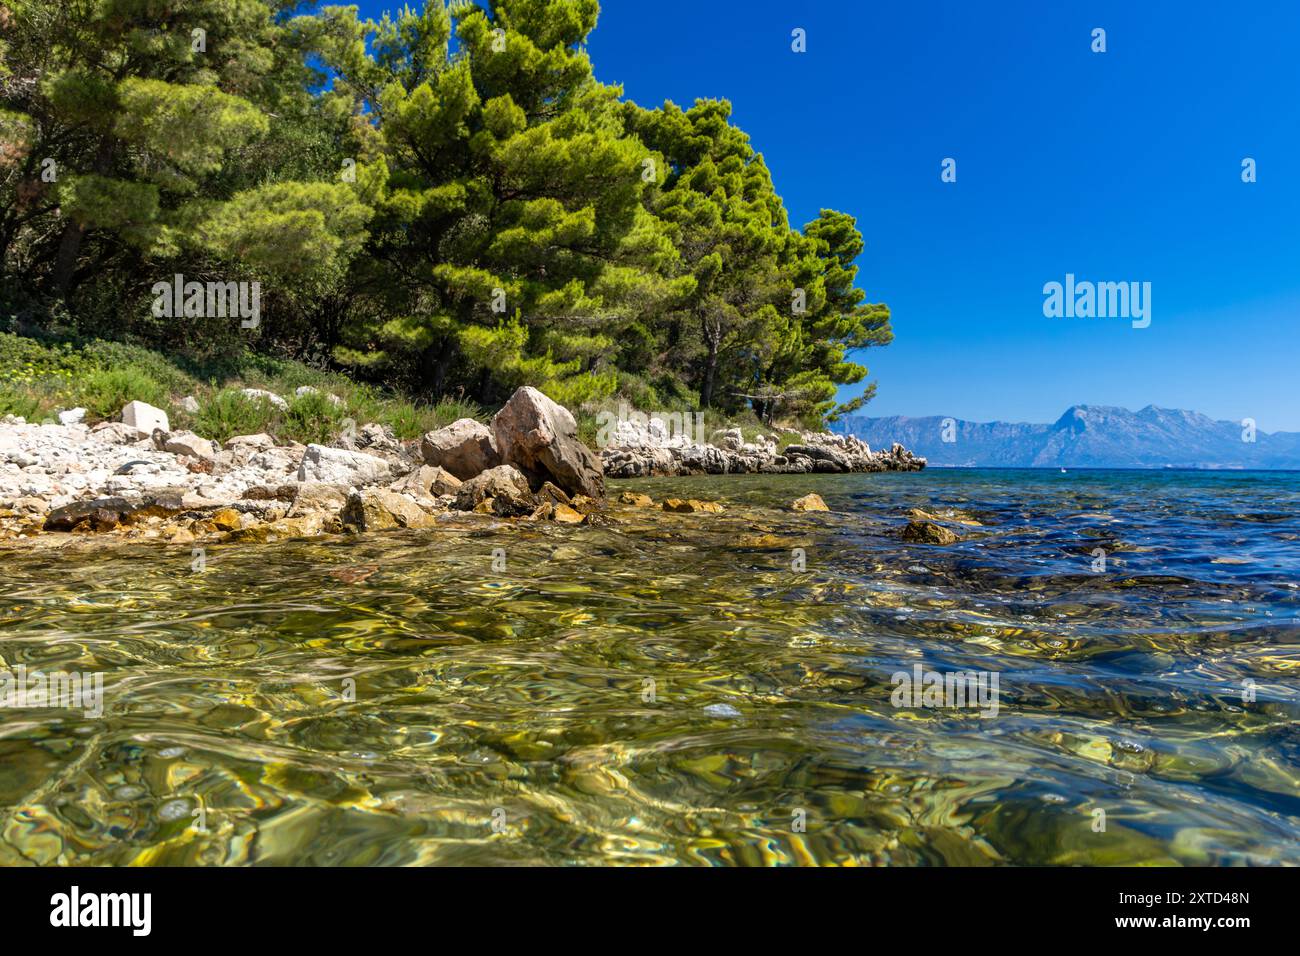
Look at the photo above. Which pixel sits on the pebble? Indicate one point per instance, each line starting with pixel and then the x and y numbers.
pixel 174 810
pixel 721 710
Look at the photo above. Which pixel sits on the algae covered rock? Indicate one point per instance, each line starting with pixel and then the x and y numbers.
pixel 692 506
pixel 507 488
pixel 927 532
pixel 379 509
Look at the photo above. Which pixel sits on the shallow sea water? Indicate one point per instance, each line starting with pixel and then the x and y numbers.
pixel 672 690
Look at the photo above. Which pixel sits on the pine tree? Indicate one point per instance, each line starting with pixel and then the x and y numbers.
pixel 132 111
pixel 510 218
pixel 731 228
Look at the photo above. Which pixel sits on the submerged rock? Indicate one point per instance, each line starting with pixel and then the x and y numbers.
pixel 692 506
pixel 809 502
pixel 948 514
pixel 927 532
pixel 636 499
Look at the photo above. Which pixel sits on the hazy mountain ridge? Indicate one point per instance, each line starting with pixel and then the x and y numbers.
pixel 1086 436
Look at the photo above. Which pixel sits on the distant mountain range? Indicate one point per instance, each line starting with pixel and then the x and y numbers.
pixel 1086 436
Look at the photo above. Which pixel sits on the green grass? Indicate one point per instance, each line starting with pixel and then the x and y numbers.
pixel 38 378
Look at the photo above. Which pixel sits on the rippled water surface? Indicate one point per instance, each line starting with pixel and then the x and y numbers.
pixel 670 689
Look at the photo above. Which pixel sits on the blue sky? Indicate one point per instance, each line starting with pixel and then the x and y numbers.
pixel 1122 166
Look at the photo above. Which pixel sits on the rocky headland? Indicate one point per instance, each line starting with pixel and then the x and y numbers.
pixel 648 450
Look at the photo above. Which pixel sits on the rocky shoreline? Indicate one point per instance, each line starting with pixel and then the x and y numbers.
pixel 137 479
pixel 649 450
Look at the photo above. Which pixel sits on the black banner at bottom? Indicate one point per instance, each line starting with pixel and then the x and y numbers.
pixel 341 906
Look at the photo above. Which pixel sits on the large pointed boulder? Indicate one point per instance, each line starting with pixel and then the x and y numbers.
pixel 540 438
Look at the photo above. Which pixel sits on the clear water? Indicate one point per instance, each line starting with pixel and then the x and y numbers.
pixel 670 690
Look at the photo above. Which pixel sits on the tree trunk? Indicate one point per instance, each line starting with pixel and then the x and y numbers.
pixel 435 363
pixel 66 263
pixel 710 374
pixel 65 266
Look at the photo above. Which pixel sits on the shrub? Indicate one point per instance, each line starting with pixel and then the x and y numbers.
pixel 230 412
pixel 25 360
pixel 105 391
pixel 18 402
pixel 109 355
pixel 312 417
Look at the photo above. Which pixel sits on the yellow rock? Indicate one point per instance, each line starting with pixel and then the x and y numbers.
pixel 636 499
pixel 255 534
pixel 227 519
pixel 809 502
pixel 566 515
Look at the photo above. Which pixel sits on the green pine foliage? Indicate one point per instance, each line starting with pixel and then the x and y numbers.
pixel 444 202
